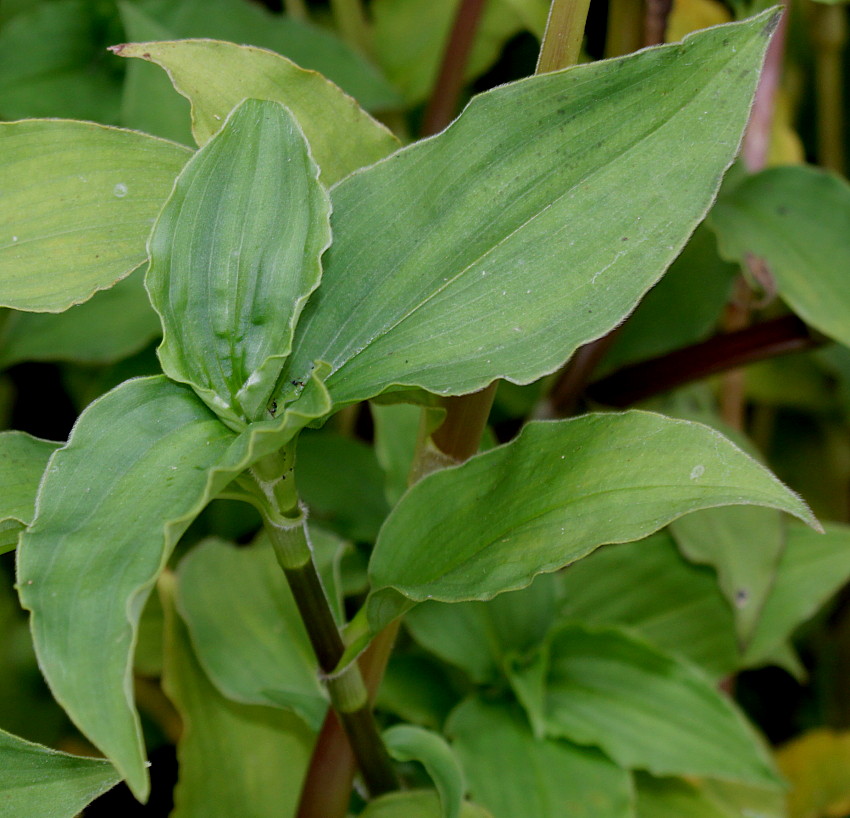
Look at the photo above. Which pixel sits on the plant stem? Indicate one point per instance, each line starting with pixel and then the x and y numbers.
pixel 352 24
pixel 655 21
pixel 564 32
pixel 624 32
pixel 444 98
pixel 297 9
pixel 768 339
pixel 830 38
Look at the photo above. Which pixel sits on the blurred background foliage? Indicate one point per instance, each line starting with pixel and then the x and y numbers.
pixel 705 587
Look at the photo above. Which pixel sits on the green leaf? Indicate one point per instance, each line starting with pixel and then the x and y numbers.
pixel 141 463
pixel 418 689
pixel 671 315
pixel 235 254
pixel 36 782
pixel 479 636
pixel 551 496
pixel 533 224
pixel 310 46
pixel 643 708
pixel 744 545
pixel 232 757
pixel 674 798
pixel 341 482
pixel 217 76
pixel 76 207
pixel 256 653
pixel 416 804
pixel 110 326
pixel 149 102
pixel 512 773
pixel 52 63
pixel 794 219
pixel 396 432
pixel 648 587
pixel 23 459
pixel 411 37
pixel 813 567
pixel 408 743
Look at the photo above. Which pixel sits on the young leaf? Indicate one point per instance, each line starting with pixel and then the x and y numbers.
pixel 648 587
pixel 533 224
pixel 234 257
pixel 745 545
pixel 512 773
pixel 22 462
pixel 234 758
pixel 795 219
pixel 216 76
pixel 646 710
pixel 551 496
pixel 254 654
pixel 811 570
pixel 76 207
pixel 406 742
pixel 36 782
pixel 140 465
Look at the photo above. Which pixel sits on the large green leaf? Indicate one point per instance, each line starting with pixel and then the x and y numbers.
pixel 36 782
pixel 795 219
pixel 744 544
pixel 141 463
pixel 480 636
pixel 646 710
pixel 649 587
pixel 111 325
pixel 76 206
pixel 256 653
pixel 22 462
pixel 235 253
pixel 310 46
pixel 811 570
pixel 216 76
pixel 234 759
pixel 512 773
pixel 551 496
pixel 531 225
pixel 675 798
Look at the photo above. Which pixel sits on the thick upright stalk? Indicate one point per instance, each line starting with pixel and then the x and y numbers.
pixel 564 32
pixel 352 24
pixel 444 99
pixel 830 37
pixel 624 33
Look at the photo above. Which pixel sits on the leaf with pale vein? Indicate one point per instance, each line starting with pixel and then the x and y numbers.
pixel 532 225
pixel 235 254
pixel 141 464
pixel 216 76
pixel 551 496
pixel 37 782
pixel 76 206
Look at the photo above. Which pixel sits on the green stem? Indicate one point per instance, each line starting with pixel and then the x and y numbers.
pixel 296 9
pixel 352 24
pixel 564 32
pixel 624 32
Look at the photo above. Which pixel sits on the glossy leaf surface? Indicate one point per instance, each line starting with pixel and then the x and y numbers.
pixel 646 710
pixel 77 205
pixel 795 220
pixel 22 462
pixel 234 257
pixel 512 773
pixel 255 653
pixel 551 496
pixel 520 232
pixel 36 782
pixel 216 76
pixel 233 757
pixel 141 464
pixel 406 742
